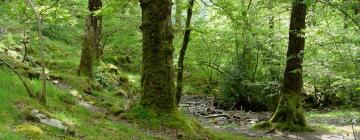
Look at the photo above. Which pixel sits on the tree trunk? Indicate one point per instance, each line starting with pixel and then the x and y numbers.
pixel 97 25
pixel 86 62
pixel 179 83
pixel 91 41
pixel 289 113
pixel 178 11
pixel 157 81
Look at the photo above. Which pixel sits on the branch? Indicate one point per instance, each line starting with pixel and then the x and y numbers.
pixel 52 5
pixel 213 66
pixel 107 36
pixel 342 11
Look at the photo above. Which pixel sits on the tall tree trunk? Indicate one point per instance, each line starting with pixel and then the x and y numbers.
pixel 91 40
pixel 157 81
pixel 179 83
pixel 178 11
pixel 289 113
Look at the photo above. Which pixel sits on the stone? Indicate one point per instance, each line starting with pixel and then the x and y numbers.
pixel 55 81
pixel 42 118
pixel 53 122
pixel 29 130
pixel 74 93
pixel 180 135
pixel 14 54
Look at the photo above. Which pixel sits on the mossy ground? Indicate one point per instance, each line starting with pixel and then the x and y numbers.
pixel 16 105
pixel 176 124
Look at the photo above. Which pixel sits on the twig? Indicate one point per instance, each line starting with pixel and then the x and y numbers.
pixel 20 77
pixel 52 5
pixel 342 11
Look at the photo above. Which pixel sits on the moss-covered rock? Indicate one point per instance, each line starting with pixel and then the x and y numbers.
pixel 29 130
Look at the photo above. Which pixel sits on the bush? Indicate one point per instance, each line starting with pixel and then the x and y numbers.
pixel 109 77
pixel 331 92
pixel 241 92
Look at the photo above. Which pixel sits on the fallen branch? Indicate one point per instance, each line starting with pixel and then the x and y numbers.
pixel 218 115
pixel 20 77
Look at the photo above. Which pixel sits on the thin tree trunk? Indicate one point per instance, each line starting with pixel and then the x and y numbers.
pixel 91 48
pixel 157 81
pixel 289 113
pixel 179 84
pixel 42 95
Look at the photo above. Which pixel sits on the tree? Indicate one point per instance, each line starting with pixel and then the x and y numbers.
pixel 158 92
pixel 289 113
pixel 178 12
pixel 186 40
pixel 42 94
pixel 91 40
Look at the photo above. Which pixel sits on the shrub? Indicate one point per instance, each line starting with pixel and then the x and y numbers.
pixel 242 92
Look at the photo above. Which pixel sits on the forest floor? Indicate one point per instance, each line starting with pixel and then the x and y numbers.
pixel 328 124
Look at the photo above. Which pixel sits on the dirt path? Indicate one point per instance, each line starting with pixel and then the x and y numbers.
pixel 329 126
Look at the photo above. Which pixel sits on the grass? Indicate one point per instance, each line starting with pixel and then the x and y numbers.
pixel 337 121
pixel 15 107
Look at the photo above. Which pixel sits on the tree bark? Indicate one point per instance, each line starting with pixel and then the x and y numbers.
pixel 157 81
pixel 179 83
pixel 97 25
pixel 289 113
pixel 91 40
pixel 178 11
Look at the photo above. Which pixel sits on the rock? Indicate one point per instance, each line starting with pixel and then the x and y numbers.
pixel 29 130
pixel 36 114
pixel 184 105
pixel 210 110
pixel 47 120
pixel 55 82
pixel 74 93
pixel 14 54
pixel 221 120
pixel 179 135
pixel 54 123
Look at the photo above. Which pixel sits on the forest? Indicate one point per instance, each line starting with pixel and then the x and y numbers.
pixel 179 69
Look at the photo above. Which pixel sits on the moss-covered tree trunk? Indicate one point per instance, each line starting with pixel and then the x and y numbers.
pixel 91 40
pixel 178 23
pixel 158 88
pixel 179 82
pixel 289 114
pixel 94 6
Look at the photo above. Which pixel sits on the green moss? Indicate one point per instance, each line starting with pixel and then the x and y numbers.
pixel 263 125
pixel 188 128
pixel 29 130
